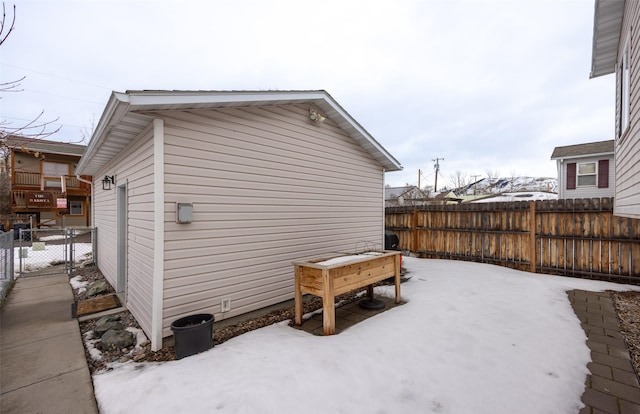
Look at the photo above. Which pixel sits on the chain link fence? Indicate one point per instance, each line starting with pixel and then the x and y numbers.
pixel 6 262
pixel 53 251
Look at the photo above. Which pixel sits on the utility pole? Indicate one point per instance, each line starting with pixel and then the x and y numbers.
pixel 437 168
pixel 474 183
pixel 419 172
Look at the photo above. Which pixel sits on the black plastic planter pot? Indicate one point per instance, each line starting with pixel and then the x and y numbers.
pixel 193 334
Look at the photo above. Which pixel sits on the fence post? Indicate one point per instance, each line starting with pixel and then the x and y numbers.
pixel 532 236
pixel 415 231
pixel 11 252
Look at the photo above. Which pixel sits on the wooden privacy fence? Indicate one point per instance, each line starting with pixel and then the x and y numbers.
pixel 578 237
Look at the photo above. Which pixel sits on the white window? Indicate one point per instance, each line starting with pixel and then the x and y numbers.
pixel 587 174
pixel 625 79
pixel 75 208
pixel 54 169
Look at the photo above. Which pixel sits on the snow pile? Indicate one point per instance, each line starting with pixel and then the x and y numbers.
pixel 472 338
pixel 90 342
pixel 348 258
pixel 77 283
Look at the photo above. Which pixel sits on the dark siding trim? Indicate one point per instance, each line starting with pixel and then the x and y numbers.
pixel 571 176
pixel 603 174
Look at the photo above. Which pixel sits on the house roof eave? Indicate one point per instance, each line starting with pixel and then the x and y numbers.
pixel 607 28
pixel 587 149
pixel 570 157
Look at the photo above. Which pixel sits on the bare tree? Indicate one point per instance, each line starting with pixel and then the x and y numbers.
pixel 492 177
pixel 459 180
pixel 36 128
pixel 514 178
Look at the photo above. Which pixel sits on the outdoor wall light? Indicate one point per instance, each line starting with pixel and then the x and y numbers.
pixel 107 181
pixel 315 116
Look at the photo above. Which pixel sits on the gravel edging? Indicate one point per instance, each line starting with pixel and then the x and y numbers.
pixel 627 306
pixel 144 353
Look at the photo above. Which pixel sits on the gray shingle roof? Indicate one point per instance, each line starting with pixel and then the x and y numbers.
pixel 581 150
pixel 44 146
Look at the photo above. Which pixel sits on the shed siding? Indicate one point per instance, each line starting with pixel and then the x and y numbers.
pixel 135 168
pixel 268 187
pixel 564 192
pixel 627 196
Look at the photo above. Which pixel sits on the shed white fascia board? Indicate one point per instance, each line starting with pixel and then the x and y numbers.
pixel 124 108
pixel 114 111
pixel 571 157
pixel 607 28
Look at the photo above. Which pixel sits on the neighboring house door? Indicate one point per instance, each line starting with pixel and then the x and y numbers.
pixel 121 240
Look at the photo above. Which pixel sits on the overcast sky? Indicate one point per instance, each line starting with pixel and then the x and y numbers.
pixel 485 85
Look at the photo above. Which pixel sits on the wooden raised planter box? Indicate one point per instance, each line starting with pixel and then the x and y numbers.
pixel 333 276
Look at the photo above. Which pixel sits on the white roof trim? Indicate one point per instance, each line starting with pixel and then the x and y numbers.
pixel 121 120
pixel 607 26
pixel 595 155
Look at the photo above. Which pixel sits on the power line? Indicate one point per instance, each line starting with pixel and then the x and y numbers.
pixel 52 123
pixel 65 97
pixel 56 76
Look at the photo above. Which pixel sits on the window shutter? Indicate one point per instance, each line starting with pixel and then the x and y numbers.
pixel 603 174
pixel 571 176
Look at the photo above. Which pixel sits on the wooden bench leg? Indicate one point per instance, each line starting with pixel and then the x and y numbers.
pixel 397 278
pixel 328 315
pixel 298 296
pixel 328 306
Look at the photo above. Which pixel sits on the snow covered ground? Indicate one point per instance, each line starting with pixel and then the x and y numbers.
pixel 53 253
pixel 39 259
pixel 472 338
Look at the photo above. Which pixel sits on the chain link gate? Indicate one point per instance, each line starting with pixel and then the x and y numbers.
pixel 6 262
pixel 42 252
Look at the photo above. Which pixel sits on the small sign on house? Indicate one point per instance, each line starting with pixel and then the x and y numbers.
pixel 61 203
pixel 40 199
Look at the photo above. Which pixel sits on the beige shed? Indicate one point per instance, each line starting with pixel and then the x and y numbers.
pixel 203 199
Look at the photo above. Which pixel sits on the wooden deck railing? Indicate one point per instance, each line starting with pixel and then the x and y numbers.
pixel 21 178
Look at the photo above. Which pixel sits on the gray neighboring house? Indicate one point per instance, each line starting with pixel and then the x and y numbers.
pixel 585 170
pixel 615 49
pixel 205 198
pixel 408 195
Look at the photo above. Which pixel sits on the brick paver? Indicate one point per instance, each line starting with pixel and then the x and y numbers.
pixel 612 386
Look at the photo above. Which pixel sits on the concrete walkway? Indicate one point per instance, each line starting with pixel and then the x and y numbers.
pixel 42 362
pixel 612 386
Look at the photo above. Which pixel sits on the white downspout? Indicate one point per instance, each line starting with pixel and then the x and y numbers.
pixel 82 180
pixel 384 214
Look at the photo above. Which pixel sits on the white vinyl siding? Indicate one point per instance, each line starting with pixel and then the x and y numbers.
pixel 586 190
pixel 268 187
pixel 627 196
pixel 134 167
